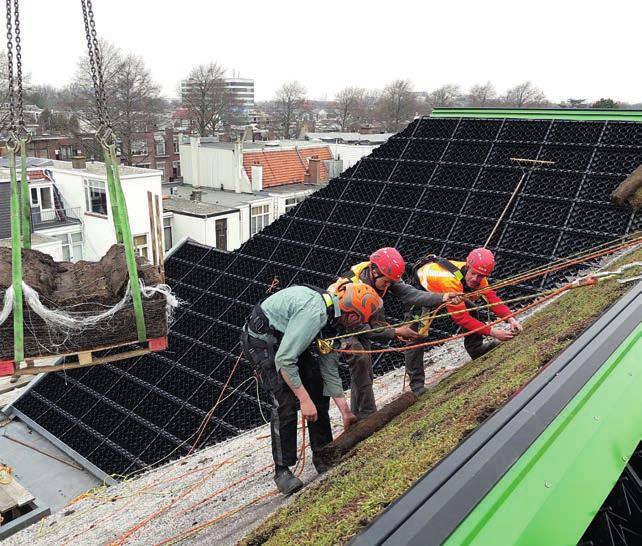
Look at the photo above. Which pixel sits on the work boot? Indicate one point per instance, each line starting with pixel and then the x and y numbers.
pixel 286 482
pixel 418 390
pixel 320 466
pixel 489 345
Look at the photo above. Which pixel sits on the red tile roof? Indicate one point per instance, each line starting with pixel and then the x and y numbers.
pixel 285 166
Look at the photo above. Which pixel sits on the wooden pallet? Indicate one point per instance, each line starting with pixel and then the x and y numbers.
pixel 85 359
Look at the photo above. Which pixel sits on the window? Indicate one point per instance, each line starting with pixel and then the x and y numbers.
pixel 71 246
pixel 96 197
pixel 34 197
pixel 139 147
pixel 140 245
pixel 260 218
pixel 176 145
pixel 167 233
pixel 45 198
pixel 160 147
pixel 292 202
pixel 66 152
pixel 160 165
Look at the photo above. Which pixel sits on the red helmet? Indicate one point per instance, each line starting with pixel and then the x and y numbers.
pixel 361 299
pixel 481 260
pixel 389 262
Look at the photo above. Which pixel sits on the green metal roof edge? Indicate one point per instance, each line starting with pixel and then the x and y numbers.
pixel 538 113
pixel 552 493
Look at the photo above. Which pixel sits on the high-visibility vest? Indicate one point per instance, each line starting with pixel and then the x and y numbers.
pixel 434 277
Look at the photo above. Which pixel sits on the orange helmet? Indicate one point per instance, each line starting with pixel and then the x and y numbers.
pixel 359 298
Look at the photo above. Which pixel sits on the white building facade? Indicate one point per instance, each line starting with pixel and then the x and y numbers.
pixel 71 210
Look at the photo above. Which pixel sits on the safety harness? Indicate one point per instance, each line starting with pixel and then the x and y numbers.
pixel 353 275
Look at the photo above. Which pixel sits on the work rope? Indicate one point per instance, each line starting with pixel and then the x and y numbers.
pixel 325 344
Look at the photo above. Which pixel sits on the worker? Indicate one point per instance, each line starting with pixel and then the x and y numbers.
pixel 383 272
pixel 276 340
pixel 437 274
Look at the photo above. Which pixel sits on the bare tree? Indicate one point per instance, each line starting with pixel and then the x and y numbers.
pixel 482 94
pixel 350 105
pixel 132 96
pixel 397 104
pixel 445 96
pixel 525 94
pixel 206 97
pixel 289 98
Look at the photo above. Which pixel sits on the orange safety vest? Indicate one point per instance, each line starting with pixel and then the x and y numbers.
pixel 436 278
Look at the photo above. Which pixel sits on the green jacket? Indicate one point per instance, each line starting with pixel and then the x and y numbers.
pixel 299 313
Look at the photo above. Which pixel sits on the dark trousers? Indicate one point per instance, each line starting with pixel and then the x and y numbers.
pixel 362 399
pixel 284 421
pixel 474 344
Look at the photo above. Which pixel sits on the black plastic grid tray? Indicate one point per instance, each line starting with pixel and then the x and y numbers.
pixel 437 187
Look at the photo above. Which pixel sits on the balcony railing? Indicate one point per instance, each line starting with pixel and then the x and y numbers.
pixel 52 217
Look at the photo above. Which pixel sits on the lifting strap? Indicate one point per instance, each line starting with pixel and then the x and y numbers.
pixel 16 259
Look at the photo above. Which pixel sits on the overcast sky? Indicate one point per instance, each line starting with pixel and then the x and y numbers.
pixel 569 48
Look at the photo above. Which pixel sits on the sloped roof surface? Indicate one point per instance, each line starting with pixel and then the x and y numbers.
pixel 285 166
pixel 437 187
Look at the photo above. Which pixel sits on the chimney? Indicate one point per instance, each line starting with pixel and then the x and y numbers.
pixel 79 162
pixel 194 143
pixel 196 195
pixel 238 158
pixel 257 176
pixel 314 168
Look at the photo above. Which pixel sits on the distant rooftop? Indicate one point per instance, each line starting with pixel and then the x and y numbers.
pixel 284 166
pixel 349 137
pixel 93 167
pixel 226 199
pixel 266 145
pixel 98 168
pixel 287 189
pixel 189 207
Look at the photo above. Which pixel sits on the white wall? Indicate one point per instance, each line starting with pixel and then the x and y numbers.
pixel 53 248
pixel 98 232
pixel 214 168
pixel 203 230
pixel 350 153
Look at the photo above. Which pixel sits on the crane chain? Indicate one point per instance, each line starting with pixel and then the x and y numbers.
pixel 104 132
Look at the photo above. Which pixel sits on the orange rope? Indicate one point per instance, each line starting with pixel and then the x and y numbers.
pixel 458 336
pixel 302 450
pixel 185 534
pixel 225 489
pixel 210 413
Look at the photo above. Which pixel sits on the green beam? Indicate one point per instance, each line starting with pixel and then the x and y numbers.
pixel 538 113
pixel 16 263
pixel 552 493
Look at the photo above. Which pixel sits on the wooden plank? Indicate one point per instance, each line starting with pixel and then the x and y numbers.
pixel 74 365
pixel 17 493
pixel 85 358
pixel 159 238
pixel 6 501
pixel 152 227
pixel 75 353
